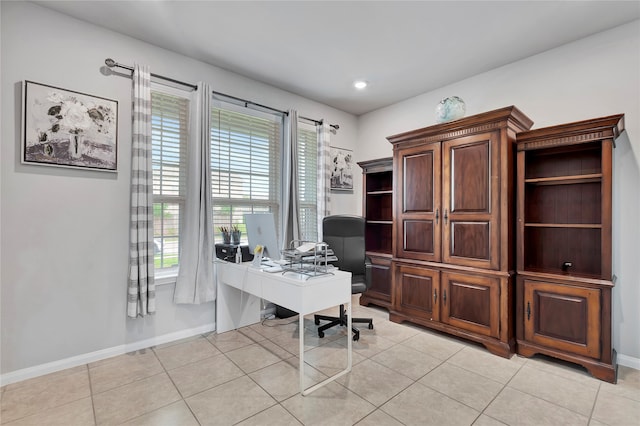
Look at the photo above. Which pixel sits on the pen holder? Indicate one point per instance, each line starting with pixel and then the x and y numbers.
pixel 226 237
pixel 235 237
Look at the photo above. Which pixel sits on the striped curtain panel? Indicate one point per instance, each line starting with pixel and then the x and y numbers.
pixel 196 280
pixel 324 174
pixel 141 298
pixel 290 211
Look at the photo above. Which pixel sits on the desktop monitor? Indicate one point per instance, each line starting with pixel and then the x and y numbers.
pixel 261 229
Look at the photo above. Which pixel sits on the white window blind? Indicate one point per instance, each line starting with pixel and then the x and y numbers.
pixel 169 134
pixel 245 165
pixel 308 181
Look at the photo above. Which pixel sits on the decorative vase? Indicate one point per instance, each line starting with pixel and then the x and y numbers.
pixel 76 141
pixel 449 109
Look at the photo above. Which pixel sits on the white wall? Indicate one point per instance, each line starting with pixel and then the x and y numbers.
pixel 593 77
pixel 64 239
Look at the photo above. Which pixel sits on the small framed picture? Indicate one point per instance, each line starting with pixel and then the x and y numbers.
pixel 341 169
pixel 70 129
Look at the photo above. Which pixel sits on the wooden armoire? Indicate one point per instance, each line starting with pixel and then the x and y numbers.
pixel 454 227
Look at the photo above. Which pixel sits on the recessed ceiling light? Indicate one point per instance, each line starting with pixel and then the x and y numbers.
pixel 359 84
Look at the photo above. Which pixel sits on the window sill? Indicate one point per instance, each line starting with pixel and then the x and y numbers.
pixel 166 277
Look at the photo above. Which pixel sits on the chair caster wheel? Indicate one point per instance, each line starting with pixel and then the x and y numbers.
pixel 320 334
pixel 370 326
pixel 356 337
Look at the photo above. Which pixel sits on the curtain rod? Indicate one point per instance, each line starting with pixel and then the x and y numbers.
pixel 111 63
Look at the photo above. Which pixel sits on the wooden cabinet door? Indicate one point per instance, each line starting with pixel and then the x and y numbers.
pixel 418 215
pixel 380 279
pixel 416 292
pixel 563 317
pixel 471 302
pixel 471 201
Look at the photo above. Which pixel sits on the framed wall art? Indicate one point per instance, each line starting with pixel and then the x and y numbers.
pixel 341 169
pixel 70 129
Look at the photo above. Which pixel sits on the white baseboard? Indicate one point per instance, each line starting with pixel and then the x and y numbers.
pixel 63 364
pixel 628 361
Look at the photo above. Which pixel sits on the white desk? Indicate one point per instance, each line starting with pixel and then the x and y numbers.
pixel 240 288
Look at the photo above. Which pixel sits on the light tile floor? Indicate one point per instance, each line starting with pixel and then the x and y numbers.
pixel 402 375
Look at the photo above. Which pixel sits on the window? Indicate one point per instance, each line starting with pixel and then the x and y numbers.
pixel 169 135
pixel 308 181
pixel 245 165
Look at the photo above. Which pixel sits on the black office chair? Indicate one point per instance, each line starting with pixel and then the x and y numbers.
pixel 345 236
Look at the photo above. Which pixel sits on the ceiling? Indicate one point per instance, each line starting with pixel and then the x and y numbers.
pixel 316 49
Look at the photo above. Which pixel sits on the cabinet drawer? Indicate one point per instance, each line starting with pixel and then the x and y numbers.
pixel 471 302
pixel 563 317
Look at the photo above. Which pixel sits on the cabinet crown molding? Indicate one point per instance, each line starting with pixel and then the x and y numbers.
pixel 377 164
pixel 486 121
pixel 572 133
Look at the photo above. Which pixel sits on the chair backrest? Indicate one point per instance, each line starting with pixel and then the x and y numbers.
pixel 345 236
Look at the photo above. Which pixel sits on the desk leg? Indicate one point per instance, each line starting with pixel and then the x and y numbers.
pixel 349 338
pixel 306 392
pixel 301 352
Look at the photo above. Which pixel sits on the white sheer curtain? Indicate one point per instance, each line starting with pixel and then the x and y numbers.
pixel 324 174
pixel 141 295
pixel 196 281
pixel 290 211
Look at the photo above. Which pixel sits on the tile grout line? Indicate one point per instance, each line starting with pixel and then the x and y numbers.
pixel 398 372
pixel 500 392
pixel 36 413
pixel 265 391
pixel 182 397
pixel 552 402
pixel 595 401
pixel 153 350
pixel 93 404
pixel 322 343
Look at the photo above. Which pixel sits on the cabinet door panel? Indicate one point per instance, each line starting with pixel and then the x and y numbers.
pixel 418 236
pixel 472 240
pixel 469 179
pixel 562 317
pixel 471 201
pixel 471 302
pixel 418 182
pixel 418 213
pixel 380 278
pixel 417 291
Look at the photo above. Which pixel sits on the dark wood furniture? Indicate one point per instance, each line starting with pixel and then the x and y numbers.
pixel 378 212
pixel 564 243
pixel 454 227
